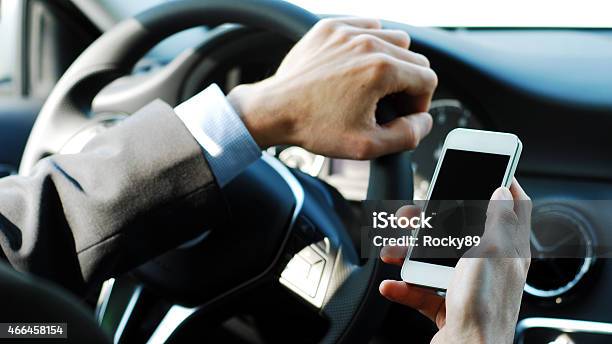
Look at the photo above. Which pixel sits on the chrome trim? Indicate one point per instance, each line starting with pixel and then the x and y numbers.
pixel 330 260
pixel 176 315
pixel 103 299
pixel 129 309
pixel 172 320
pixel 292 182
pixel 588 261
pixel 563 325
pixel 314 169
pixel 586 266
pixel 446 102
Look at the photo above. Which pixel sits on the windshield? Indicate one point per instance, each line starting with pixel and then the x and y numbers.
pixel 438 13
pixel 474 13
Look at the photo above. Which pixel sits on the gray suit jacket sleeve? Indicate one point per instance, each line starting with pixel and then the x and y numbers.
pixel 134 192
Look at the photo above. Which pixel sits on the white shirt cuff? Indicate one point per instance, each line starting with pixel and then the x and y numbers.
pixel 228 146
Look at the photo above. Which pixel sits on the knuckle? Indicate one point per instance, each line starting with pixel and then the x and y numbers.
pixel 327 25
pixel 342 34
pixel 380 65
pixel 363 148
pixel 365 43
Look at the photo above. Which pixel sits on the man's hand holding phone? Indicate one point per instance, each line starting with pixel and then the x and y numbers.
pixel 484 297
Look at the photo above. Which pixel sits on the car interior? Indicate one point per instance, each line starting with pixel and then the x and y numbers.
pixel 70 69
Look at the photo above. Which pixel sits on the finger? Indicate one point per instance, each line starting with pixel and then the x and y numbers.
pixel 397 38
pixel 522 207
pixel 522 203
pixel 417 81
pixel 401 134
pixel 391 46
pixel 406 55
pixel 501 206
pixel 420 299
pixel 394 255
pixel 517 191
pixel 365 23
pixel 408 211
pixel 500 227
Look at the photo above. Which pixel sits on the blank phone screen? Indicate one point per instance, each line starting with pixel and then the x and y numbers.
pixel 466 180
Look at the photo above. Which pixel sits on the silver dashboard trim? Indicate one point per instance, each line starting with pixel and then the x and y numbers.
pixel 587 262
pixel 292 182
pixel 172 320
pixel 125 317
pixel 102 304
pixel 584 268
pixel 564 325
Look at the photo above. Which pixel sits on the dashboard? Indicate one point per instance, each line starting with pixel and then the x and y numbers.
pixel 553 88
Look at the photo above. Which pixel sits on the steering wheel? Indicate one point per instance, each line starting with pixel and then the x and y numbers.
pixel 296 215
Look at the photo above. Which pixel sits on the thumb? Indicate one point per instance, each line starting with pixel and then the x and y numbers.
pixel 502 193
pixel 402 133
pixel 501 206
pixel 500 219
pixel 500 214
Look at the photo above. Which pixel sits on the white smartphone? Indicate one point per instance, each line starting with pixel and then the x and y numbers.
pixel 473 163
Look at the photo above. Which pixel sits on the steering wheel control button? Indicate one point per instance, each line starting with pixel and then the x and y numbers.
pixel 296 271
pixel 305 270
pixel 311 283
pixel 304 273
pixel 310 255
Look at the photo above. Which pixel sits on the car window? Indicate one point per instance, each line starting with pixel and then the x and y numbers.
pixel 8 34
pixel 121 9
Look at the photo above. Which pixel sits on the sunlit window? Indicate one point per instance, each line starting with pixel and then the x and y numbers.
pixel 473 13
pixel 8 27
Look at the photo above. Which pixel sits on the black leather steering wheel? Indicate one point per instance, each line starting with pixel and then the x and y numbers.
pixel 351 305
